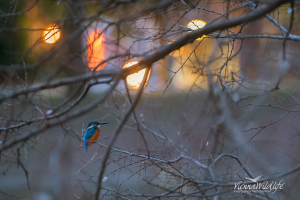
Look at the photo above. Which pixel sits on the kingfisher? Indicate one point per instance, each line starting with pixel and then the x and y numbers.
pixel 92 133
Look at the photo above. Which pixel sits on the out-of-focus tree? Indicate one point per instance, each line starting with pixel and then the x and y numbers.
pixel 202 99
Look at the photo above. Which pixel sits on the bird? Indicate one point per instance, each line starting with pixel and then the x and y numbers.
pixel 92 133
pixel 254 179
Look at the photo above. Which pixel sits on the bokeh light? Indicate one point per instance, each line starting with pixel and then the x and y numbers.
pixel 196 24
pixel 134 80
pixel 52 34
pixel 177 52
pixel 96 49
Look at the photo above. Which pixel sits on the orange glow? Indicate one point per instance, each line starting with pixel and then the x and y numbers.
pixel 196 24
pixel 52 34
pixel 134 80
pixel 177 52
pixel 96 49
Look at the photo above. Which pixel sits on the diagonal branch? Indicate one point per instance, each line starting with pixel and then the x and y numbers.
pixel 118 130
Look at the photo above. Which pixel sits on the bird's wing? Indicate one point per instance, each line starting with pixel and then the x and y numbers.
pixel 253 180
pixel 89 133
pixel 258 177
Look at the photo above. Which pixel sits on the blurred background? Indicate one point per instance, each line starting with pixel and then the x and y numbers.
pixel 233 91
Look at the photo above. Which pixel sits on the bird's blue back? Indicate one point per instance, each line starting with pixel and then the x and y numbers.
pixel 90 132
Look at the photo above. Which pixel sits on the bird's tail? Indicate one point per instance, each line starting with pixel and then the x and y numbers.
pixel 86 146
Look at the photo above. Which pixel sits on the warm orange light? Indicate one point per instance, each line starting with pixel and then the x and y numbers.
pixel 177 52
pixel 134 80
pixel 196 24
pixel 52 34
pixel 96 49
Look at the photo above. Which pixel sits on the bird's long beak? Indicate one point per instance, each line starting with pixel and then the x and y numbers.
pixel 101 123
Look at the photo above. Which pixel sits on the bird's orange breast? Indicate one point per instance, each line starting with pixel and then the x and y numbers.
pixel 95 136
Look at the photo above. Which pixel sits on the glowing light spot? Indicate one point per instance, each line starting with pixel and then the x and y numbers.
pixel 134 80
pixel 196 24
pixel 52 34
pixel 177 52
pixel 96 49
